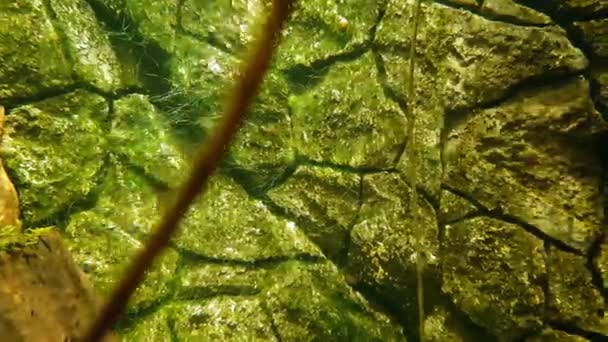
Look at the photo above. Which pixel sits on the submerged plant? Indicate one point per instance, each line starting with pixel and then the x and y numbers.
pixel 412 174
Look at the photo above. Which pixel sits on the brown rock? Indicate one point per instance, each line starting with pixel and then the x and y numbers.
pixel 9 202
pixel 43 295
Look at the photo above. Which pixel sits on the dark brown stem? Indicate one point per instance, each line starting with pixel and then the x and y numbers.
pixel 204 166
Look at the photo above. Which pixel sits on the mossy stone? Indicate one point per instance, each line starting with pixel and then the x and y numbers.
pixel 55 150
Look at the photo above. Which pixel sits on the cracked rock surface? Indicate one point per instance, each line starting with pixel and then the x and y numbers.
pixel 306 233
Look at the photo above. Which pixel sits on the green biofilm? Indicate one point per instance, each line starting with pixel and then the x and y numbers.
pixel 205 164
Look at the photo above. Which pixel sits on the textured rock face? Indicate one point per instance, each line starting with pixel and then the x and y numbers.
pixel 66 127
pixel 32 59
pixel 531 158
pixel 311 211
pixel 494 271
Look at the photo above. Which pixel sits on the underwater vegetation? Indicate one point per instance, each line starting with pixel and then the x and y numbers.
pixel 471 146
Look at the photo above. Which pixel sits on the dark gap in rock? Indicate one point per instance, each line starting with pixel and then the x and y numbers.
pixel 440 236
pixel 172 330
pixel 489 16
pixel 500 215
pixel 464 195
pixel 11 103
pixel 471 215
pixel 125 38
pixel 465 7
pixel 392 95
pixel 194 293
pixel 211 39
pixel 453 119
pixel 555 78
pixel 560 13
pixel 432 201
pixel 301 77
pixel 48 7
pixel 595 91
pixel 155 183
pixel 137 314
pixel 389 92
pixel 543 281
pixel 179 16
pixel 387 306
pixel 106 123
pixel 273 324
pixel 343 259
pixel 302 222
pixel 193 258
pixel 381 12
pixel 250 182
pixel 596 276
pixel 462 323
pixel 302 160
pixel 573 329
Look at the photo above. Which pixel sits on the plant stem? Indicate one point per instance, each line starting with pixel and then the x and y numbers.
pixel 204 166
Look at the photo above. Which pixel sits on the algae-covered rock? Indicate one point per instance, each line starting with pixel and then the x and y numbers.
pixel 427 144
pixel 263 144
pixel 453 207
pixel 469 3
pixel 89 48
pixel 532 158
pixel 436 328
pixel 200 74
pixel 31 55
pixel 104 249
pixel 595 34
pixel 600 77
pixel 201 279
pixel 382 252
pixel 320 29
pixel 467 59
pixel 443 323
pixel 129 200
pixel 514 12
pixel 226 224
pixel 601 264
pixel 312 303
pixel 347 119
pixel 155 20
pixel 106 237
pixel 283 301
pixel 55 150
pixel 227 24
pixel 494 272
pixel 573 297
pixel 550 335
pixel 324 202
pixel 584 7
pixel 140 135
pixel 223 318
pixel 158 326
